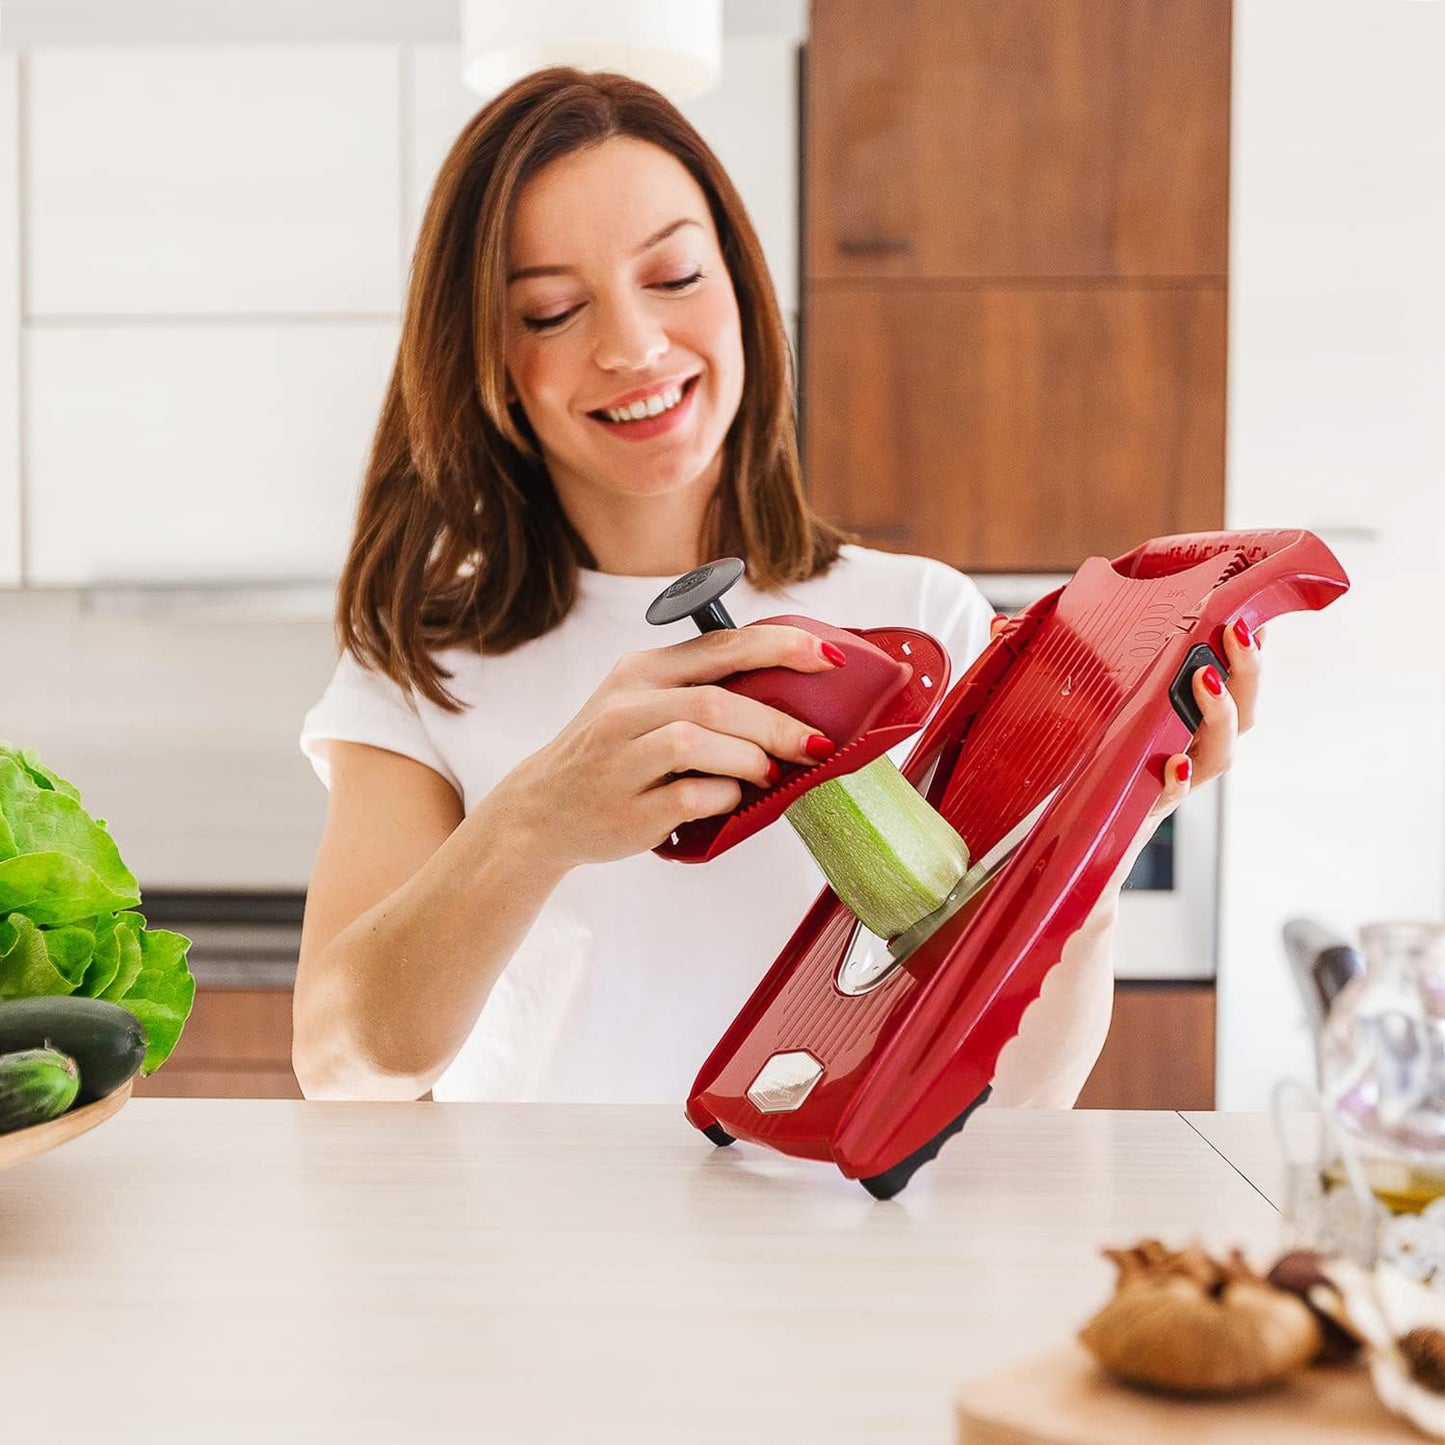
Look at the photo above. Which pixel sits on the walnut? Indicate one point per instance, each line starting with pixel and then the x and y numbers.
pixel 1302 1273
pixel 1424 1352
pixel 1184 1321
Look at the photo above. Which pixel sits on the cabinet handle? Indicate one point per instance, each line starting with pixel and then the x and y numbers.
pixel 875 245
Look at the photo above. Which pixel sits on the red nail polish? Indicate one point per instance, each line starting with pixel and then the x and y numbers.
pixel 1242 632
pixel 1213 682
pixel 1185 770
pixel 818 747
pixel 834 654
pixel 774 772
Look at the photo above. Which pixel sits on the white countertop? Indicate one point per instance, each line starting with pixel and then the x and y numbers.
pixel 217 1271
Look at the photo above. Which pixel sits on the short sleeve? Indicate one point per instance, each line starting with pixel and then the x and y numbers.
pixel 363 706
pixel 957 614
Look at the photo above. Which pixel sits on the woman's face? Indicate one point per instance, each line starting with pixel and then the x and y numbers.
pixel 624 346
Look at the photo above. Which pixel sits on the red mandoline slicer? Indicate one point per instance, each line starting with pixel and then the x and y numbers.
pixel 889 685
pixel 873 1055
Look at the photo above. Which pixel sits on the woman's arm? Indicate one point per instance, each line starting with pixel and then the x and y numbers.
pixel 412 912
pixel 414 909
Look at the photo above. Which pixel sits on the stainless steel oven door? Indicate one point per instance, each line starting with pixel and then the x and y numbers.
pixel 1169 906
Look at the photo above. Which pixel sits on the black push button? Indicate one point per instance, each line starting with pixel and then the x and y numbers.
pixel 1181 690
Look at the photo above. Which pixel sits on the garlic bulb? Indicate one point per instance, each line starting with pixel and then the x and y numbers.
pixel 1184 1321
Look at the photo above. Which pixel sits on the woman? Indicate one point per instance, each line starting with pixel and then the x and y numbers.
pixel 592 396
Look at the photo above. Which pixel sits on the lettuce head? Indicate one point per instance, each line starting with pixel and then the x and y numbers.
pixel 68 910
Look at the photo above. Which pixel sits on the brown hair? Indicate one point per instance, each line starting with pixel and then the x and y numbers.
pixel 459 538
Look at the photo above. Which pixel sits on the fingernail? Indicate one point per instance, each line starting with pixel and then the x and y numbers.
pixel 817 746
pixel 1242 632
pixel 1213 682
pixel 774 771
pixel 834 654
pixel 1184 770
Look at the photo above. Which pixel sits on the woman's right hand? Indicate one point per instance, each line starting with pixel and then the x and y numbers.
pixel 608 787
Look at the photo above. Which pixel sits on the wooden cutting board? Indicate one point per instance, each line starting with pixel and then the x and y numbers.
pixel 1063 1399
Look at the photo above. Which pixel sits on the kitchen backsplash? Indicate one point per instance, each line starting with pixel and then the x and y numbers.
pixel 179 730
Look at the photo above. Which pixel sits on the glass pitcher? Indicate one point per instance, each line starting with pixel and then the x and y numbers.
pixel 1382 1062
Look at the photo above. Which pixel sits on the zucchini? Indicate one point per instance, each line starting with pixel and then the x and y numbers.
pixel 35 1085
pixel 106 1041
pixel 889 857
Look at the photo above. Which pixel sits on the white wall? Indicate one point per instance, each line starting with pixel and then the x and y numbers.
pixel 1336 805
pixel 10 282
pixel 195 406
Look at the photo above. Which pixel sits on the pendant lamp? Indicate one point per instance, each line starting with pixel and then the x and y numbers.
pixel 672 45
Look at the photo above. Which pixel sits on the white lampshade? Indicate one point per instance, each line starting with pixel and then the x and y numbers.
pixel 673 45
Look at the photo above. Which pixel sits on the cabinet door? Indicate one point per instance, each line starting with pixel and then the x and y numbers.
pixel 235 1045
pixel 1160 1050
pixel 1015 429
pixel 164 454
pixel 1033 138
pixel 190 180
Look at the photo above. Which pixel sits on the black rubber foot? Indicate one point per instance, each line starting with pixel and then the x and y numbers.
pixel 718 1135
pixel 892 1181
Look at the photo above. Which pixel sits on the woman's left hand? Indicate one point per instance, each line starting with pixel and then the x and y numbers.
pixel 1228 710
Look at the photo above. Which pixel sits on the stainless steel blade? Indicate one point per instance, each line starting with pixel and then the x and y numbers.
pixel 977 875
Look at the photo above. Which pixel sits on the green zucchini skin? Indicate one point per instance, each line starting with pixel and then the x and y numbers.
pixel 106 1041
pixel 35 1085
pixel 889 857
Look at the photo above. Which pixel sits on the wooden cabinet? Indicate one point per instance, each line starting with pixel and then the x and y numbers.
pixel 1015 429
pixel 1014 325
pixel 1033 138
pixel 1160 1050
pixel 235 1045
pixel 1159 1053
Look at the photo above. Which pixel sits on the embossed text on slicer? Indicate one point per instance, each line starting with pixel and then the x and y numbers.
pixel 686 584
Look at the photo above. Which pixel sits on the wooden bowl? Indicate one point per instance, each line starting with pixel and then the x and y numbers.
pixel 26 1143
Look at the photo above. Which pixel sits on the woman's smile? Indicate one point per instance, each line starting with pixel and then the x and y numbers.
pixel 649 411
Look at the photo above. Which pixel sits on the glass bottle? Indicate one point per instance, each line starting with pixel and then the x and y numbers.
pixel 1382 1062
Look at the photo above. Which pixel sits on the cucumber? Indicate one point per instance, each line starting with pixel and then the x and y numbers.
pixel 106 1041
pixel 889 857
pixel 35 1085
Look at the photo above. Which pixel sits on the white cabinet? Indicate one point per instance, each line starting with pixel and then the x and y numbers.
pixel 192 181
pixel 1336 804
pixel 198 453
pixel 9 321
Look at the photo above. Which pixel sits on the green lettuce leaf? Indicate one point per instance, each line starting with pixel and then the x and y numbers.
pixel 162 993
pixel 60 865
pixel 42 777
pixel 104 960
pixel 26 967
pixel 127 934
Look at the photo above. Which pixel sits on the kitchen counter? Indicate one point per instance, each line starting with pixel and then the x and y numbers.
pixel 223 1270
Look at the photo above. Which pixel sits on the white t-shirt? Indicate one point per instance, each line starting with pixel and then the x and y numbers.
pixel 634 968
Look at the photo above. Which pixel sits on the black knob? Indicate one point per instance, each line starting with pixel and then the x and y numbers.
pixel 698 595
